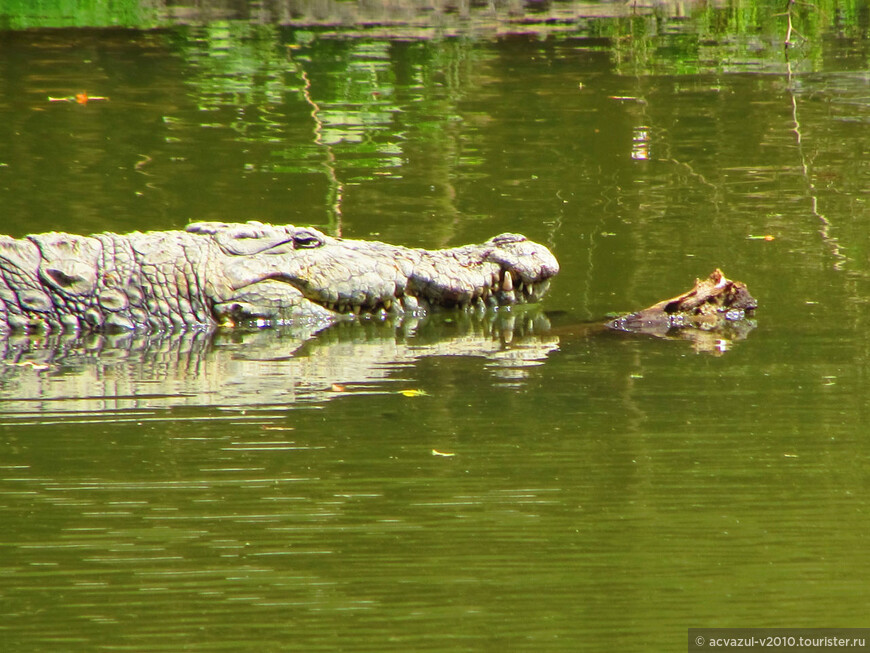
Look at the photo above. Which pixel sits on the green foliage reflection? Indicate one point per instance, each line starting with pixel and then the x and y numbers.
pixel 26 14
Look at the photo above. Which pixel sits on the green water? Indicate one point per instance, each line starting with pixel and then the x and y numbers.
pixel 457 484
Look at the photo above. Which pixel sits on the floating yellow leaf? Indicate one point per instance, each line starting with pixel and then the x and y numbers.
pixel 443 454
pixel 413 393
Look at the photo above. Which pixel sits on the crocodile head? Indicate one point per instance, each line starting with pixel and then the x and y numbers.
pixel 287 273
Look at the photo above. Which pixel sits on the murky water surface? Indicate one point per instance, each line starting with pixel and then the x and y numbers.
pixel 520 482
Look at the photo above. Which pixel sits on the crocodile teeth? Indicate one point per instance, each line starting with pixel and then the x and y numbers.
pixel 356 309
pixel 507 283
pixel 411 303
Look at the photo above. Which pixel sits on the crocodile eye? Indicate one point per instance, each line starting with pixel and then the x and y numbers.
pixel 306 240
pixel 504 239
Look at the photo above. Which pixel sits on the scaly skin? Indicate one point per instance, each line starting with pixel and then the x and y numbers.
pixel 216 273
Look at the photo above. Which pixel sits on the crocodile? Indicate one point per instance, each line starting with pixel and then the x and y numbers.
pixel 217 273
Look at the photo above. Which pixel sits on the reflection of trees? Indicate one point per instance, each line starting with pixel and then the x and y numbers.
pixel 812 191
pixel 347 110
pixel 391 120
pixel 729 37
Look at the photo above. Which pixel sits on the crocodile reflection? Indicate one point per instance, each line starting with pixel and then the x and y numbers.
pixel 265 367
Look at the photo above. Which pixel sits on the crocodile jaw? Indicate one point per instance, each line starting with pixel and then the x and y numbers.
pixel 331 277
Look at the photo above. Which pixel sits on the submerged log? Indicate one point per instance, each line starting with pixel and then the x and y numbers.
pixel 713 303
pixel 713 315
